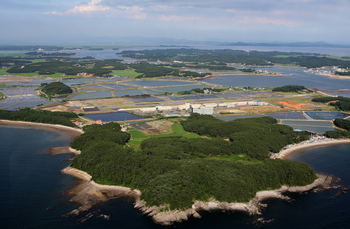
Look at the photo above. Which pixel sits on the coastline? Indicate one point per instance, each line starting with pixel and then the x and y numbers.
pixel 287 153
pixel 88 193
pixel 334 76
pixel 72 132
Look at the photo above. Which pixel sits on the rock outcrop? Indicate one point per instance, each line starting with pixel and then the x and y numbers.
pixel 253 207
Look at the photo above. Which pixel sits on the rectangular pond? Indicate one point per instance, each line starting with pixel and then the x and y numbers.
pixel 113 117
pixel 93 95
pixel 128 92
pixel 157 83
pixel 326 115
pixel 319 127
pixel 287 115
pixel 180 88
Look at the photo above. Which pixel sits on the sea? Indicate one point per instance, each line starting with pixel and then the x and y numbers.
pixel 34 192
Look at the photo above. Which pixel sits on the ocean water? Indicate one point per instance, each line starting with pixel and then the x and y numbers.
pixel 291 76
pixel 32 191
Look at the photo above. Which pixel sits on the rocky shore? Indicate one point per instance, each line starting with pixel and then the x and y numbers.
pixel 253 207
pixel 87 193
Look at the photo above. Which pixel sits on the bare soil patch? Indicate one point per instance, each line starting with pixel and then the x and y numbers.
pixel 292 105
pixel 156 127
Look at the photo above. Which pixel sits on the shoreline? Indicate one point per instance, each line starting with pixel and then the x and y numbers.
pixel 286 154
pixel 88 193
pixel 71 131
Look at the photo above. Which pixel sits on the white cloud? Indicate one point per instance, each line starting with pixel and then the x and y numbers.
pixel 132 12
pixel 90 7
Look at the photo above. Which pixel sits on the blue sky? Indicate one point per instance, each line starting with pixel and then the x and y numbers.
pixel 222 20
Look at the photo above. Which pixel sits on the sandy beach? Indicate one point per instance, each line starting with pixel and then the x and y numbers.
pixel 286 153
pixel 70 131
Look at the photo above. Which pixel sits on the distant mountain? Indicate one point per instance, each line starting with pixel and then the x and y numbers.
pixel 148 41
pixel 292 44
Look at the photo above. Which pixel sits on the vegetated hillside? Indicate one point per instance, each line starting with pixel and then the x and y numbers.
pixel 224 56
pixel 56 88
pixel 175 171
pixel 342 103
pixel 291 88
pixel 341 123
pixel 62 118
pixel 255 137
pixel 109 132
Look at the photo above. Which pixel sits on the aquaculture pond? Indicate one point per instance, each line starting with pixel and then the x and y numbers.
pixel 116 86
pixel 128 92
pixel 113 117
pixel 326 115
pixel 21 97
pixel 93 95
pixel 287 115
pixel 180 88
pixel 319 127
pixel 157 83
pixel 151 92
pixel 145 99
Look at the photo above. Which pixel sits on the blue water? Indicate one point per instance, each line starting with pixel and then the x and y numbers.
pixel 117 116
pixel 31 183
pixel 292 76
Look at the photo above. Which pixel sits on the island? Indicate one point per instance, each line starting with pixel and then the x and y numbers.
pixel 174 178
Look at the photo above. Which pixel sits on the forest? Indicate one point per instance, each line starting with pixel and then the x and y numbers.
pixel 341 103
pixel 56 88
pixel 341 123
pixel 176 171
pixel 291 88
pixel 28 115
pixel 72 66
pixel 262 58
pixel 255 137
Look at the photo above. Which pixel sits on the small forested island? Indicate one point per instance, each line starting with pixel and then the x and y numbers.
pixel 55 89
pixel 291 88
pixel 174 173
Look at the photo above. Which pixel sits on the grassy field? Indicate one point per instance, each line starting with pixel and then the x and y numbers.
pixel 138 136
pixel 131 73
pixel 177 131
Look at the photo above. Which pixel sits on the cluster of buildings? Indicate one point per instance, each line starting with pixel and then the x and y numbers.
pixel 185 109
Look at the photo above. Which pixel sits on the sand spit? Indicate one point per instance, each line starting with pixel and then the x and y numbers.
pixel 88 193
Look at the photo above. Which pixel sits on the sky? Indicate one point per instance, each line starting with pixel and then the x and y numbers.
pixel 198 20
